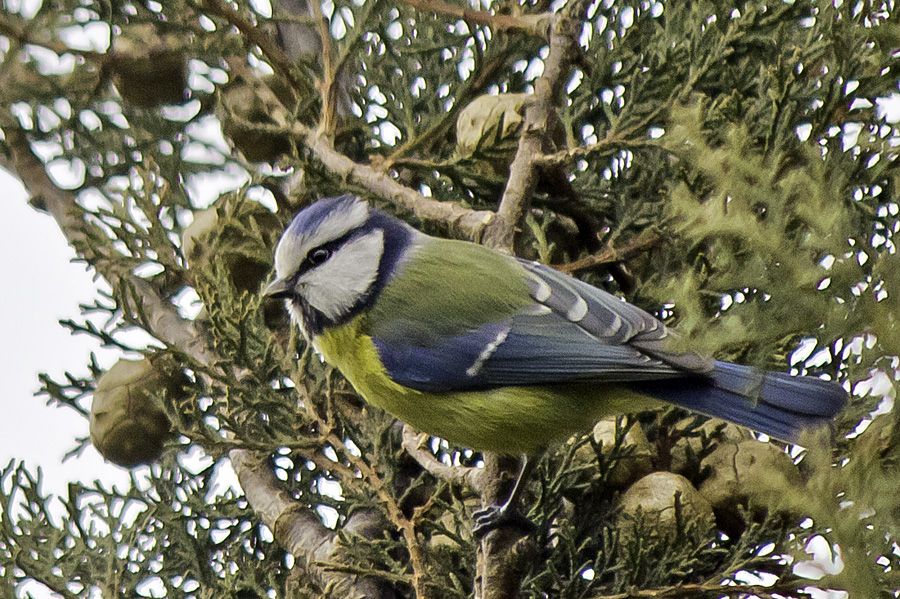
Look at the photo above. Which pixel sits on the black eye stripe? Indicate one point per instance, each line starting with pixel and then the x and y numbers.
pixel 330 247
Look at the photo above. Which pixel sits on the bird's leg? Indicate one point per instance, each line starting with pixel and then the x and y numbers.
pixel 507 513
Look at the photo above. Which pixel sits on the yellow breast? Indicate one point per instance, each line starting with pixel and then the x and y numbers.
pixel 355 355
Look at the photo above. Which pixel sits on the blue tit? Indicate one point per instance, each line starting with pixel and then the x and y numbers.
pixel 498 353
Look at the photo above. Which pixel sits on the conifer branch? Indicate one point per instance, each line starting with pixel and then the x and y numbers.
pixel 748 211
pixel 476 83
pixel 298 530
pixel 607 145
pixel 259 36
pixel 537 25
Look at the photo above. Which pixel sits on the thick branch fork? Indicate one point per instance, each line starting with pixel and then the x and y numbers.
pixel 523 171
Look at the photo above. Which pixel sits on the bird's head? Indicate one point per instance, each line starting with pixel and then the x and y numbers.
pixel 333 260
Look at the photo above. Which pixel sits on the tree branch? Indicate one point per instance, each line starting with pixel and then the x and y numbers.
pixel 299 530
pixel 505 554
pixel 457 218
pixel 710 589
pixel 464 221
pixel 501 233
pixel 466 476
pixel 395 513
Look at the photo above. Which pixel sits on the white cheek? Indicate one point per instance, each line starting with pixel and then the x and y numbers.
pixel 336 286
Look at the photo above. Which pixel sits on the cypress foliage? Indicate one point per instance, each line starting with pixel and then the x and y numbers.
pixel 728 166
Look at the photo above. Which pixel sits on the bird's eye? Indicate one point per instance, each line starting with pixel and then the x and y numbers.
pixel 318 256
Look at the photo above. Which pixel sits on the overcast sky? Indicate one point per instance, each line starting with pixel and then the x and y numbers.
pixel 41 286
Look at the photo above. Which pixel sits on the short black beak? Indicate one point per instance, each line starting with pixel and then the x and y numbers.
pixel 278 289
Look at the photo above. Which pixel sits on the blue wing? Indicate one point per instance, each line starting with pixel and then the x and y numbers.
pixel 571 332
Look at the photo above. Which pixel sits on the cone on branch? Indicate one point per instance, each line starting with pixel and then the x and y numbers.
pixel 237 231
pixel 128 423
pixel 240 235
pixel 630 459
pixel 247 103
pixel 695 442
pixel 669 505
pixel 149 68
pixel 736 470
pixel 488 130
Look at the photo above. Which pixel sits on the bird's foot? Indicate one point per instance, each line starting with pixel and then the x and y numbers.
pixel 499 516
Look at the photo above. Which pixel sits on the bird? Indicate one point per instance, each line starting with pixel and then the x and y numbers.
pixel 497 353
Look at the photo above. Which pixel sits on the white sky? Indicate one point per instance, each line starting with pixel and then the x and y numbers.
pixel 41 286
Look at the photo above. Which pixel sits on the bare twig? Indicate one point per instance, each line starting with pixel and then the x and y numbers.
pixel 467 476
pixel 538 24
pixel 611 255
pixel 709 589
pixel 609 144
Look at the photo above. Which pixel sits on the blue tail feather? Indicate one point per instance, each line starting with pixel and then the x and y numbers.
pixel 774 403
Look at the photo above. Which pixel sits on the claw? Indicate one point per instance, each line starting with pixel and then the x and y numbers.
pixel 506 514
pixel 499 516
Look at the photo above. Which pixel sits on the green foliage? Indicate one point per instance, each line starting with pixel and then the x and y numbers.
pixel 747 137
pixel 168 522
